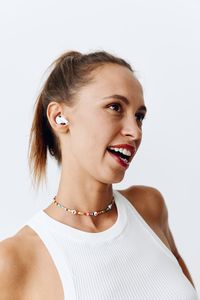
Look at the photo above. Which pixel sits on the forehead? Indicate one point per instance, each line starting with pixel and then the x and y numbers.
pixel 113 79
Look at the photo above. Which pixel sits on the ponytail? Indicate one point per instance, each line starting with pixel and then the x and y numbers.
pixel 71 71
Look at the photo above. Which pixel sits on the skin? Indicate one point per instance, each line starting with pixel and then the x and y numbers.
pixel 25 261
pixel 87 175
pixel 86 184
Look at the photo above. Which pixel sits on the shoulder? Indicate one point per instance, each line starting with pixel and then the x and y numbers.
pixel 15 259
pixel 11 268
pixel 149 201
pixel 151 204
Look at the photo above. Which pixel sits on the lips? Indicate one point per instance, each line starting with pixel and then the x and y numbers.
pixel 118 157
pixel 129 147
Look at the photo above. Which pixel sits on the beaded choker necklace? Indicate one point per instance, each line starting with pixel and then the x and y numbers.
pixel 92 213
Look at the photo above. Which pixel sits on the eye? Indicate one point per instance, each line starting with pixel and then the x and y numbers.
pixel 115 105
pixel 141 116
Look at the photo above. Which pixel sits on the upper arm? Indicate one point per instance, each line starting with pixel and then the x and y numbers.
pixel 159 212
pixel 11 270
pixel 154 208
pixel 164 223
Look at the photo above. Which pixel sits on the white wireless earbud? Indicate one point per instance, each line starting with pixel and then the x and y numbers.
pixel 61 120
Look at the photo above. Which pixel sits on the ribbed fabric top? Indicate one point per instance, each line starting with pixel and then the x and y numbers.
pixel 128 261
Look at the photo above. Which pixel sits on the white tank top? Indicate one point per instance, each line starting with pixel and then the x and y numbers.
pixel 128 261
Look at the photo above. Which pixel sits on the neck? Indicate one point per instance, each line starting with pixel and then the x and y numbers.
pixel 80 191
pixel 86 196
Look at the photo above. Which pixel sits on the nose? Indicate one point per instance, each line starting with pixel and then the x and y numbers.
pixel 132 128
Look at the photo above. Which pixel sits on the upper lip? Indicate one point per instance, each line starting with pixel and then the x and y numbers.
pixel 129 147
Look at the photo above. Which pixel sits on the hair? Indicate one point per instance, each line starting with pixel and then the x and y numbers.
pixel 70 71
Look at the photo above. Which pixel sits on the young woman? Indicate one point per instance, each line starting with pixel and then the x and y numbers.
pixel 92 242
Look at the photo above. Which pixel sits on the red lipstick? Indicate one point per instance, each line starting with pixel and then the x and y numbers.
pixel 123 162
pixel 132 149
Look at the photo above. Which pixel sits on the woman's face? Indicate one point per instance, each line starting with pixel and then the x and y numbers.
pixel 99 120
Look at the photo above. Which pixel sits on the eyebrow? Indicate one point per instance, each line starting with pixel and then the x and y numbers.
pixel 126 101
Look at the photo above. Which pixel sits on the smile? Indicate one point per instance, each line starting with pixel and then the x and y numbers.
pixel 124 162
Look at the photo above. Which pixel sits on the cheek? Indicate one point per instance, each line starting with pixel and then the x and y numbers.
pixel 94 131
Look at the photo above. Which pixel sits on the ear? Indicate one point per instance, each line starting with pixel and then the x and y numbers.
pixel 55 109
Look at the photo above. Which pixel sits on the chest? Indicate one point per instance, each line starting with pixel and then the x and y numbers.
pixel 44 280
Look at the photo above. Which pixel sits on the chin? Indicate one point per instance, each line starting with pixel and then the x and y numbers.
pixel 112 179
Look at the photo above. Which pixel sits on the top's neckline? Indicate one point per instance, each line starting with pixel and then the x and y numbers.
pixel 74 233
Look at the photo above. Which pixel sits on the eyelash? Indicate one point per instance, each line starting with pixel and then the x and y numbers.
pixel 138 114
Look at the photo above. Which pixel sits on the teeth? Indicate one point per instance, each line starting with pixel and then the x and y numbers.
pixel 121 150
pixel 125 160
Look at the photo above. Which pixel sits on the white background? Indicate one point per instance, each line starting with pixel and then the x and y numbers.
pixel 161 40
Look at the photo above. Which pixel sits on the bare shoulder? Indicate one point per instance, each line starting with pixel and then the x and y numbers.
pixel 12 272
pixel 149 201
pixel 15 258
